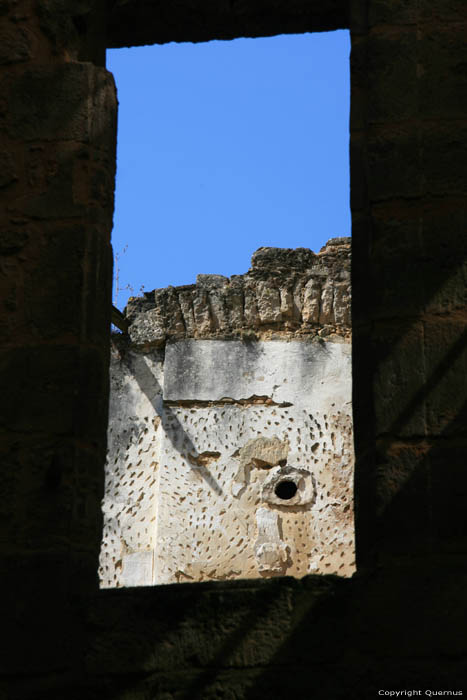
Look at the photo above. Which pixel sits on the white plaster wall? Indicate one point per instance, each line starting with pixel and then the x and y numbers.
pixel 134 435
pixel 297 371
pixel 213 523
pixel 186 484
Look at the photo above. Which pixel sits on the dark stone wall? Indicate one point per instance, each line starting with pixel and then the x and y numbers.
pixel 409 186
pixel 400 622
pixel 57 154
pixel 139 22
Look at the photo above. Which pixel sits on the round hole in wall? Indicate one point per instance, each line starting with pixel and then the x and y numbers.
pixel 286 489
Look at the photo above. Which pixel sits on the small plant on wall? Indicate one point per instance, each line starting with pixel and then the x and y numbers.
pixel 118 321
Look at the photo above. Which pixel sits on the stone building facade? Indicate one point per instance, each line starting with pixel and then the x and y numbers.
pixel 230 430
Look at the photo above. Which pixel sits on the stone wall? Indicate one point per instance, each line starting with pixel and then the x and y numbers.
pixel 226 392
pixel 400 622
pixel 293 293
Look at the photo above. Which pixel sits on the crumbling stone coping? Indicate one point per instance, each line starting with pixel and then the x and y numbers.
pixel 287 293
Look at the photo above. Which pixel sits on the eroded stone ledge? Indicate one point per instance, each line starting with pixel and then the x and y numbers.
pixel 287 293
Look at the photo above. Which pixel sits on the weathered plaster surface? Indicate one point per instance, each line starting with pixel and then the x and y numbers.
pixel 209 517
pixel 228 457
pixel 130 498
pixel 297 372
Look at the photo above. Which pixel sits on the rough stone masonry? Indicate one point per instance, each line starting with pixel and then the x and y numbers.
pixel 230 432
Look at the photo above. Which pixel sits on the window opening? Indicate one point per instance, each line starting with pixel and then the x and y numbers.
pixel 230 433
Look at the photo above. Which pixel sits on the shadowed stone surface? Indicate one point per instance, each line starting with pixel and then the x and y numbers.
pixel 400 625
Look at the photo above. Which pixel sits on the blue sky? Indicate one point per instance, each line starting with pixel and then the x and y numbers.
pixel 224 147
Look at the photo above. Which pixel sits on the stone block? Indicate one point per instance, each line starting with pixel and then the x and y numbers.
pixel 449 493
pixel 358 173
pixel 15 45
pixel 37 614
pixel 186 305
pixel 398 12
pixel 37 483
pixel 210 370
pixel 442 11
pixel 361 284
pixel 268 302
pixel 63 29
pixel 234 306
pixel 391 76
pixel 341 304
pixel 398 286
pixel 326 313
pixel 85 527
pixel 102 112
pixel 358 82
pixel 444 160
pixel 68 285
pixel 250 309
pixel 201 311
pixel 287 305
pixel 54 284
pixel 406 12
pixel 311 301
pixel 442 58
pixel 423 617
pixel 52 496
pixel 402 505
pixel 37 393
pixel 393 165
pixel 90 405
pixel 166 632
pixel 8 166
pixel 174 316
pixel 83 99
pixel 298 293
pixel 357 18
pixel 181 626
pixel 399 375
pixel 445 340
pixel 10 286
pixel 211 281
pixel 219 312
pixel 13 239
pixel 98 193
pixel 96 292
pixel 138 569
pixel 445 248
pixel 419 258
pixel 65 183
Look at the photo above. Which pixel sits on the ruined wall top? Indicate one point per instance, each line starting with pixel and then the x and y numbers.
pixel 286 293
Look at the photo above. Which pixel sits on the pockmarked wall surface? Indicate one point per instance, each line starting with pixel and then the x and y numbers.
pixel 230 433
